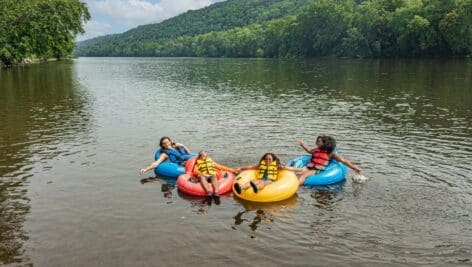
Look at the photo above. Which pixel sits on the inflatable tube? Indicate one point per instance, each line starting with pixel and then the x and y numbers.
pixel 188 182
pixel 334 173
pixel 170 169
pixel 283 188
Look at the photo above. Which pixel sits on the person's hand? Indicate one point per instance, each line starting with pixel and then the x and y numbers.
pixel 178 144
pixel 356 170
pixel 300 142
pixel 142 171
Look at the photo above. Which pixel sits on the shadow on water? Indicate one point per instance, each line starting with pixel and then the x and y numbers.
pixel 41 108
pixel 254 214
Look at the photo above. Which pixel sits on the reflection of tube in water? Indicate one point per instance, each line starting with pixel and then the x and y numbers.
pixel 264 211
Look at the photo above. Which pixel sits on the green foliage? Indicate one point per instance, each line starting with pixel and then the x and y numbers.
pixel 456 28
pixel 219 17
pixel 283 28
pixel 39 28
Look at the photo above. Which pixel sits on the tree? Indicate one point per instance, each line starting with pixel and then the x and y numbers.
pixel 39 28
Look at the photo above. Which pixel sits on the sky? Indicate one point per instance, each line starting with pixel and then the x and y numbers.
pixel 116 16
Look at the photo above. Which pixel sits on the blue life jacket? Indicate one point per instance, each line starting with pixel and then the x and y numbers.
pixel 177 156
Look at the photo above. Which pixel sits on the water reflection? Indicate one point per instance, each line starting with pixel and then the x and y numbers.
pixel 167 185
pixel 392 91
pixel 201 205
pixel 327 196
pixel 42 108
pixel 408 124
pixel 255 213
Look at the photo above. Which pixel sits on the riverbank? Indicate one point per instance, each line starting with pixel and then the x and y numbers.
pixel 29 61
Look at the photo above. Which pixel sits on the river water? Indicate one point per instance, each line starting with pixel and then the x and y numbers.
pixel 74 134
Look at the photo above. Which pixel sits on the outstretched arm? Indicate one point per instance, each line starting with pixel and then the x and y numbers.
pixel 302 144
pixel 347 162
pixel 154 164
pixel 224 168
pixel 293 169
pixel 238 170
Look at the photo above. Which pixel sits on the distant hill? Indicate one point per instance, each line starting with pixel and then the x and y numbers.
pixel 301 28
pixel 217 17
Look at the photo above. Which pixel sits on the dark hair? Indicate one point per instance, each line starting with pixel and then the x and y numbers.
pixel 164 138
pixel 329 143
pixel 276 159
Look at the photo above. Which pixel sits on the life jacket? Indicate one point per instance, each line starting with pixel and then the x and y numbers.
pixel 176 156
pixel 320 159
pixel 269 170
pixel 206 166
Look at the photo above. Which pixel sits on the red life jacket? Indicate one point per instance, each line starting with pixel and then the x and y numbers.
pixel 319 159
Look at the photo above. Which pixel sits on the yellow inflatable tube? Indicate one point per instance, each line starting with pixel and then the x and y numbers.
pixel 284 187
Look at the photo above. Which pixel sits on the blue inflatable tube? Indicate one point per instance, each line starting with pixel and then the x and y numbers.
pixel 334 173
pixel 170 169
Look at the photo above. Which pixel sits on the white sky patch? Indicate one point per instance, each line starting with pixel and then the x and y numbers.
pixel 93 29
pixel 126 14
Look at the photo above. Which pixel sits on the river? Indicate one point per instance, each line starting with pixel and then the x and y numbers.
pixel 74 134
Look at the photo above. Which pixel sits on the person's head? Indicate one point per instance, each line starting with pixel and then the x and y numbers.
pixel 166 143
pixel 326 143
pixel 269 157
pixel 202 155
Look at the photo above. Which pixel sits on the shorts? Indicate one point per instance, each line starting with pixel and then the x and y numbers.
pixel 313 168
pixel 265 178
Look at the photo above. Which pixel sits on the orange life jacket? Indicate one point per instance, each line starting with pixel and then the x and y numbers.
pixel 320 159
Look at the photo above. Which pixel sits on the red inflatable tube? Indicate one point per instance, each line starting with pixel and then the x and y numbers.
pixel 189 183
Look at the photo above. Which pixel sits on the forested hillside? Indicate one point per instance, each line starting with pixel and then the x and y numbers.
pixel 244 28
pixel 215 18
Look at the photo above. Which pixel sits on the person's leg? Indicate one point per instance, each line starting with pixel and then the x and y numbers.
pixel 255 185
pixel 204 183
pixel 304 174
pixel 263 184
pixel 239 188
pixel 214 183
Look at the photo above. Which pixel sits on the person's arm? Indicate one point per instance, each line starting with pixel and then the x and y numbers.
pixel 183 146
pixel 238 170
pixel 224 168
pixel 347 162
pixel 307 149
pixel 195 170
pixel 293 169
pixel 154 164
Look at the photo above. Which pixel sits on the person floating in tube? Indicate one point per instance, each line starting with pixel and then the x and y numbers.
pixel 173 152
pixel 206 171
pixel 268 167
pixel 320 157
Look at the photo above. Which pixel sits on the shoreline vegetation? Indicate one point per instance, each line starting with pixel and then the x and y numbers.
pixel 39 30
pixel 301 29
pixel 35 31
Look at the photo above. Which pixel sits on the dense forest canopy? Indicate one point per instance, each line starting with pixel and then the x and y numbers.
pixel 214 18
pixel 283 28
pixel 39 28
